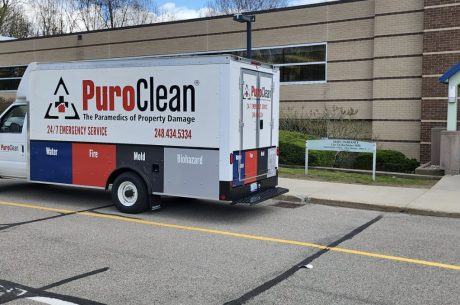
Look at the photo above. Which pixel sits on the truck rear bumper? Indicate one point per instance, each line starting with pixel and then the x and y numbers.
pixel 251 193
pixel 262 196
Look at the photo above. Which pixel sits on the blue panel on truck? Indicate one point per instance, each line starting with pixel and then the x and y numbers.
pixel 51 161
pixel 236 158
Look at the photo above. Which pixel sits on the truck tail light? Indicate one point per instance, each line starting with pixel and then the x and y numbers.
pixel 231 158
pixel 278 151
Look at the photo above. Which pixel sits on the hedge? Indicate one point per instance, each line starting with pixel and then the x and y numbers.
pixel 292 152
pixel 387 160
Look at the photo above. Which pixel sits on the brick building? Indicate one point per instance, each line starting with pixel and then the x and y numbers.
pixel 380 57
pixel 441 50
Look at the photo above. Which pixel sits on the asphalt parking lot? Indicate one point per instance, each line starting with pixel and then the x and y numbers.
pixel 61 245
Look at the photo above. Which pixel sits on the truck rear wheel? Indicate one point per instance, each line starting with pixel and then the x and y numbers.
pixel 130 194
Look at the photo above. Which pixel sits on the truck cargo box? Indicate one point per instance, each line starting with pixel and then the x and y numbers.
pixel 199 126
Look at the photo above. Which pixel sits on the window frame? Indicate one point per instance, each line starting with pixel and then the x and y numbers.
pixel 304 64
pixel 275 65
pixel 10 78
pixel 238 50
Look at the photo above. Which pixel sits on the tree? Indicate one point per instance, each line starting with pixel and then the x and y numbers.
pixel 99 14
pixel 240 6
pixel 13 22
pixel 90 14
pixel 54 17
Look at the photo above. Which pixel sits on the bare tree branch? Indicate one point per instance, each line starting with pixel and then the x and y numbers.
pixel 13 22
pixel 53 17
pixel 97 14
pixel 219 7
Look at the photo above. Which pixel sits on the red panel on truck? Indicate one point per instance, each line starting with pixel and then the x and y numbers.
pixel 250 166
pixel 92 163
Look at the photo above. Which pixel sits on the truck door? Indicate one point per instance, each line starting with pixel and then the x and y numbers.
pixel 248 114
pixel 256 126
pixel 13 142
pixel 265 117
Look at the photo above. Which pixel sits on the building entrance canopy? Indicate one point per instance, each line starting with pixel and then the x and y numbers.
pixel 452 77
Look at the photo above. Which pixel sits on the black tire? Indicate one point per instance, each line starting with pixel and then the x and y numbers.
pixel 129 193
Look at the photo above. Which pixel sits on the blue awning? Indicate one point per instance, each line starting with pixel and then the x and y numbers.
pixel 451 72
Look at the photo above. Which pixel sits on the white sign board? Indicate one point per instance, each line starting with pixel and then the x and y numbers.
pixel 341 145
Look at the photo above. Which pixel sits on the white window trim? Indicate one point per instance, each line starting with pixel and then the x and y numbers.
pixel 304 83
pixel 17 77
pixel 300 64
pixel 13 66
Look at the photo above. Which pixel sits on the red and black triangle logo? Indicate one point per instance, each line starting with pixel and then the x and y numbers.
pixel 60 108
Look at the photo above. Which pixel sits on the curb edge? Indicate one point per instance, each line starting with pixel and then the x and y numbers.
pixel 376 207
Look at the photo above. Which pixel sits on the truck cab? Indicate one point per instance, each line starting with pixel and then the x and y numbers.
pixel 14 141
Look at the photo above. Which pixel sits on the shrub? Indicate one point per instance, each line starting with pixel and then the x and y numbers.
pixel 387 160
pixel 292 150
pixel 331 122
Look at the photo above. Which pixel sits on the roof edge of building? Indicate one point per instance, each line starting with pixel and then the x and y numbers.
pixel 333 2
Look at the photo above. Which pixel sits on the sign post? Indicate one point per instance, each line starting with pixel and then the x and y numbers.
pixel 374 161
pixel 342 145
pixel 306 158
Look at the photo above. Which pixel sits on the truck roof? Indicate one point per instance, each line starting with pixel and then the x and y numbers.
pixel 144 61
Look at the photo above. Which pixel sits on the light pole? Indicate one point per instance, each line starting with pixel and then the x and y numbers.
pixel 249 19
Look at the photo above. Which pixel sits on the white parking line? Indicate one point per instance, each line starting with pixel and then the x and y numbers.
pixel 50 301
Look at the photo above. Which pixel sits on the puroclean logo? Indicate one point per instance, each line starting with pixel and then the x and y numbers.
pixel 9 147
pixel 262 93
pixel 255 92
pixel 246 92
pixel 60 108
pixel 142 95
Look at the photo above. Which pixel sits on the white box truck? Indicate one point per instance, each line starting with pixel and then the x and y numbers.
pixel 199 127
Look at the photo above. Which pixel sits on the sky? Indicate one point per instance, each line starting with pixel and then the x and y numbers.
pixel 5 38
pixel 197 4
pixel 179 9
pixel 184 9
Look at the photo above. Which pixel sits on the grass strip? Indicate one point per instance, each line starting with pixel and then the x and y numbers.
pixel 355 178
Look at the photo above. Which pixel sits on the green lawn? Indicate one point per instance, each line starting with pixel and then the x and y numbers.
pixel 333 176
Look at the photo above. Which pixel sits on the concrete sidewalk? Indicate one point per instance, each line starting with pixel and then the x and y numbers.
pixel 443 199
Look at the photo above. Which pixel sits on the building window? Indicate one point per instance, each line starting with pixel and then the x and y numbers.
pixel 303 73
pixel 298 64
pixel 10 77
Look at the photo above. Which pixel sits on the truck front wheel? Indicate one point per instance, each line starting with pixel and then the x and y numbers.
pixel 130 194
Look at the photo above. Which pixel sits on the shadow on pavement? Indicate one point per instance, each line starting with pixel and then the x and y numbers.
pixel 52 195
pixel 173 208
pixel 211 211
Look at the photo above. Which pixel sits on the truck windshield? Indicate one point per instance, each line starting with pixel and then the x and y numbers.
pixel 13 120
